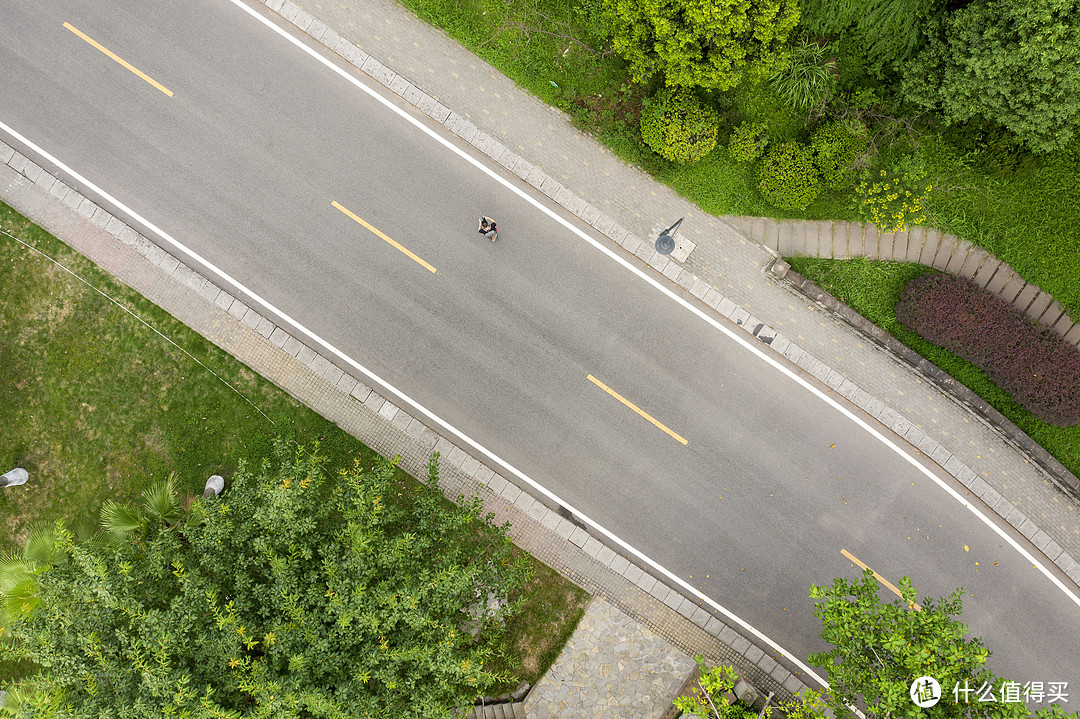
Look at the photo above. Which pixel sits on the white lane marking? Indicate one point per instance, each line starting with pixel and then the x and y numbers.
pixel 610 253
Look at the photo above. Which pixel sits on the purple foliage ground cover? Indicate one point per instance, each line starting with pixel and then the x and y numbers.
pixel 1038 368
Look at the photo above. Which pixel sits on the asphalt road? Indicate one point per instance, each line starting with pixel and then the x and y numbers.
pixel 242 164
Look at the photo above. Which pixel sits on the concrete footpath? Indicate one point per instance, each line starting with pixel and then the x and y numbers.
pixel 715 263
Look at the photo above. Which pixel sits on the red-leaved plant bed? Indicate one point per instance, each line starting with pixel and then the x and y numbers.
pixel 1031 362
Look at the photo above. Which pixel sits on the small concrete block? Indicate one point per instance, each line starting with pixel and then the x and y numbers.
pixel 953 466
pixel 1052 550
pixel 619 564
pixel 525 503
pixel 712 297
pixel 1028 528
pixel 874 407
pixel 674 599
pixel 266 328
pixel 579 537
pixel 592 547
pixel 87 208
pixel 978 486
pixel 1026 297
pixel 987 271
pixel 1040 539
pixel 455 458
pixel 766 663
pixel 870 236
pixel 661 591
pixel 1063 325
pixel 536 178
pixel 1038 305
pixel 794 352
pixel 302 19
pixel 687 608
pixel 345 384
pixel 672 272
pixel 780 343
pixel 289 10
pixel 251 318
pixel 632 243
pixel 899 245
pixel 401 421
pixel 754 654
pixel 701 617
pixel 646 582
pixel 885 245
pixel 991 496
pixel 210 292
pixel 1012 288
pixel 714 626
pixel 306 355
pixel 928 446
pixel 470 466
pixel 973 262
pixel 564 529
pixel 727 635
pixel 931 245
pixel 793 684
pixel 1073 335
pixel 361 392
pixel 770 234
pixel 739 316
pixel 916 239
pixel 74 200
pixel 154 254
pixel 32 171
pixel 945 253
pixel 550 520
pixel 741 645
pixel 725 307
pixel 940 455
pixel 511 493
pixel 959 257
pixel 847 389
pixel 785 245
pixel 699 288
pixel 1052 314
pixel 967 476
pixel 316 29
pixel 606 555
pixel 1001 277
pixel 633 573
pixel 6 152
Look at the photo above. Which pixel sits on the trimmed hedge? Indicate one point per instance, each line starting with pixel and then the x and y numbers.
pixel 1038 368
pixel 678 126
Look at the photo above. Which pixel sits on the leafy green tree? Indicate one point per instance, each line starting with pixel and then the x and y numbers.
pixel 701 43
pixel 879 649
pixel 787 176
pixel 678 126
pixel 708 698
pixel 1012 62
pixel 293 594
pixel 887 31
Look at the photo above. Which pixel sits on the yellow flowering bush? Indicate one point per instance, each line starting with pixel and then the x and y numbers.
pixel 893 199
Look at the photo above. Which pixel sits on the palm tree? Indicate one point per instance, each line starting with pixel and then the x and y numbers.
pixel 19 588
pixel 161 508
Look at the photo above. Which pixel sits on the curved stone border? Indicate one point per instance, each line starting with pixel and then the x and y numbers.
pixel 924 245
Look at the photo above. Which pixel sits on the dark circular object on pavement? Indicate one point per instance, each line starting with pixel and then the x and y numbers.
pixel 665 244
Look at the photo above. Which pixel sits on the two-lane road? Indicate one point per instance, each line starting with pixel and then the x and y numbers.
pixel 243 164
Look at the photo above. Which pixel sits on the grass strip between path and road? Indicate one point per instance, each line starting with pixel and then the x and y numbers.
pixel 872 288
pixel 96 405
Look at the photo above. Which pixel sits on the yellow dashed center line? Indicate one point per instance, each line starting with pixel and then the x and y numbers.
pixel 119 59
pixel 637 409
pixel 888 585
pixel 375 231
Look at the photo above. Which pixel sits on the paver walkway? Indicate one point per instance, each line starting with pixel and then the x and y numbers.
pixel 925 245
pixel 715 263
pixel 612 668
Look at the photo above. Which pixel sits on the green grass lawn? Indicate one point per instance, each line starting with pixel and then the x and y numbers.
pixel 97 406
pixel 872 288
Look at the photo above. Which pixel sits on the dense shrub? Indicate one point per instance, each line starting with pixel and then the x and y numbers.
pixel 893 199
pixel 1031 362
pixel 678 126
pixel 837 146
pixel 787 176
pixel 809 79
pixel 748 141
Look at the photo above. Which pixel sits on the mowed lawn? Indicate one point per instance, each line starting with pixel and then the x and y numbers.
pixel 96 405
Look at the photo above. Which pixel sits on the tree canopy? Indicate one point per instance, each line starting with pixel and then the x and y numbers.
pixel 701 43
pixel 1012 62
pixel 293 594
